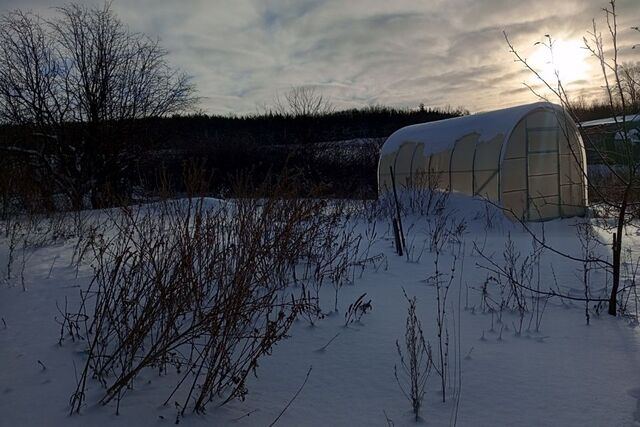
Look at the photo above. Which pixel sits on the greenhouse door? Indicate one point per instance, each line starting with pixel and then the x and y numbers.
pixel 543 176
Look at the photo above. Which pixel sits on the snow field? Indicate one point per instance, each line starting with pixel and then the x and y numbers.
pixel 566 374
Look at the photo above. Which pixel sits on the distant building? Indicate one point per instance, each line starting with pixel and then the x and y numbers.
pixel 606 135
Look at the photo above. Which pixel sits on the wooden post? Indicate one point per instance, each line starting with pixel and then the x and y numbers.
pixel 399 219
pixel 396 236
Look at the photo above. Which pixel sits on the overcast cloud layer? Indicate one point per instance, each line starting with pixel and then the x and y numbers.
pixel 241 53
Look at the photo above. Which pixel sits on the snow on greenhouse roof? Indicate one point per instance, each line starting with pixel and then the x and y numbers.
pixel 611 120
pixel 441 135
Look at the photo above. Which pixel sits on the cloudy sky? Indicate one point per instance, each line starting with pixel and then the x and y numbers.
pixel 242 53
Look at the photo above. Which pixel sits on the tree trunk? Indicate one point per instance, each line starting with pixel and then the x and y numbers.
pixel 616 275
pixel 617 249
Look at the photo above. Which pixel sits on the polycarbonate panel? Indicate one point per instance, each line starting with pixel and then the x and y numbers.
pixel 542 118
pixel 422 177
pixel 439 168
pixel 544 185
pixel 462 182
pixel 517 144
pixel 572 197
pixel 541 208
pixel 570 172
pixel 569 131
pixel 402 166
pixel 486 184
pixel 563 145
pixel 488 154
pixel 514 175
pixel 515 203
pixel 577 194
pixel 384 179
pixel 577 174
pixel 577 169
pixel 437 179
pixel 565 169
pixel 542 164
pixel 419 165
pixel 575 147
pixel 542 140
pixel 567 196
pixel 462 157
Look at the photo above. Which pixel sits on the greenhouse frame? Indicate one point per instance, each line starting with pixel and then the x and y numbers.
pixel 529 160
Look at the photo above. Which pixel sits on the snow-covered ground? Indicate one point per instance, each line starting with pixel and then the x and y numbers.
pixel 566 374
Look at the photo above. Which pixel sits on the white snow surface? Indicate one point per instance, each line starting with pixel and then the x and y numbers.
pixel 442 134
pixel 568 374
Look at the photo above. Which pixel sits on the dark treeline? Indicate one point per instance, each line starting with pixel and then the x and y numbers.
pixel 279 129
pixel 333 154
pixel 337 151
pixel 599 109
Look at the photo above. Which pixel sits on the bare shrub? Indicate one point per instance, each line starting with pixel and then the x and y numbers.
pixel 442 283
pixel 357 309
pixel 588 244
pixel 415 360
pixel 204 289
pixel 423 195
pixel 517 279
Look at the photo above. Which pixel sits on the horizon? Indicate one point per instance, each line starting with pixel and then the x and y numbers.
pixel 241 56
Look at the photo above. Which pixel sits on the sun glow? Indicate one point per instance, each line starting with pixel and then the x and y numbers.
pixel 566 59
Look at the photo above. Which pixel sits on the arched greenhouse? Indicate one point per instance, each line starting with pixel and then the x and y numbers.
pixel 530 160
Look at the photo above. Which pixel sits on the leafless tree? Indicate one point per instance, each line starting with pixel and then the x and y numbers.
pixel 631 82
pixel 619 197
pixel 77 86
pixel 303 101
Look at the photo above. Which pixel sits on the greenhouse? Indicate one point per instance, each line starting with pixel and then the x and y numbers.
pixel 530 160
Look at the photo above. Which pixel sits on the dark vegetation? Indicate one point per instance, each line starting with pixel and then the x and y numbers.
pixel 336 151
pixel 600 109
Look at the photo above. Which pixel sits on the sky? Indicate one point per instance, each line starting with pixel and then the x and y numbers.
pixel 242 54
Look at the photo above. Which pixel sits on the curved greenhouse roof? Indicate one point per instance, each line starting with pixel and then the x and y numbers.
pixel 529 159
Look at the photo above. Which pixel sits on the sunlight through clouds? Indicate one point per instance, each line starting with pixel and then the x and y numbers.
pixel 567 59
pixel 361 52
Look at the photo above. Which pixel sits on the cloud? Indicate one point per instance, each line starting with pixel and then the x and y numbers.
pixel 241 53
